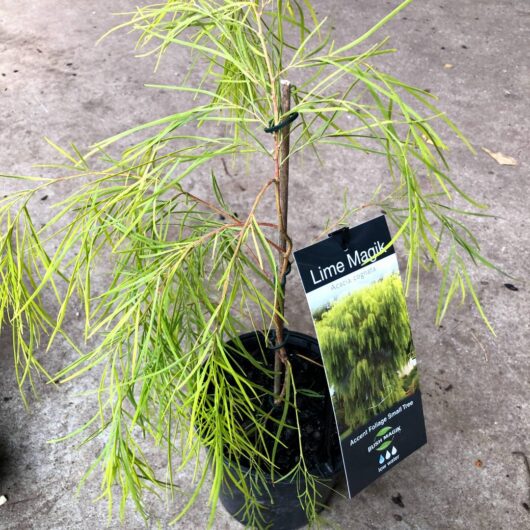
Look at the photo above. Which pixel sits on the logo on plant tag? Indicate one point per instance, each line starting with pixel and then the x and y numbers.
pixel 388 453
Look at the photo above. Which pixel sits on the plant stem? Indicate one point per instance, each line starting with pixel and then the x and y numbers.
pixel 284 242
pixel 284 172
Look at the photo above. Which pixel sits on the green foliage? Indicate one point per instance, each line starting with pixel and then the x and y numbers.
pixel 184 273
pixel 27 317
pixel 366 341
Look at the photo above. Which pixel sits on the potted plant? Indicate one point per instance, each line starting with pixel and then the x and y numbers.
pixel 190 332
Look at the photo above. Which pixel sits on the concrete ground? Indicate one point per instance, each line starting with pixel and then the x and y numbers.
pixel 474 54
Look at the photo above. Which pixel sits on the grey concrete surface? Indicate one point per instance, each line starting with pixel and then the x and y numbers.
pixel 54 82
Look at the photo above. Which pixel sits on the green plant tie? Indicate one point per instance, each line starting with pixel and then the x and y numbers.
pixel 275 347
pixel 283 123
pixel 284 279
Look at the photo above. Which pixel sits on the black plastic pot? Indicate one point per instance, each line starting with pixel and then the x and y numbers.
pixel 280 506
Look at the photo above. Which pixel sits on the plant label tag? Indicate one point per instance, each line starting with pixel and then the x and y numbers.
pixel 356 298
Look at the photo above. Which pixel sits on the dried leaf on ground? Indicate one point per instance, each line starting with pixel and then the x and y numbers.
pixel 500 158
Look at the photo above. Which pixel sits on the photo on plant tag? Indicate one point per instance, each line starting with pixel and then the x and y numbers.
pixel 363 327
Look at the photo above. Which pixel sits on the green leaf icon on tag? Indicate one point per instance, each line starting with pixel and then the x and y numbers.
pixel 383 431
pixel 384 445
